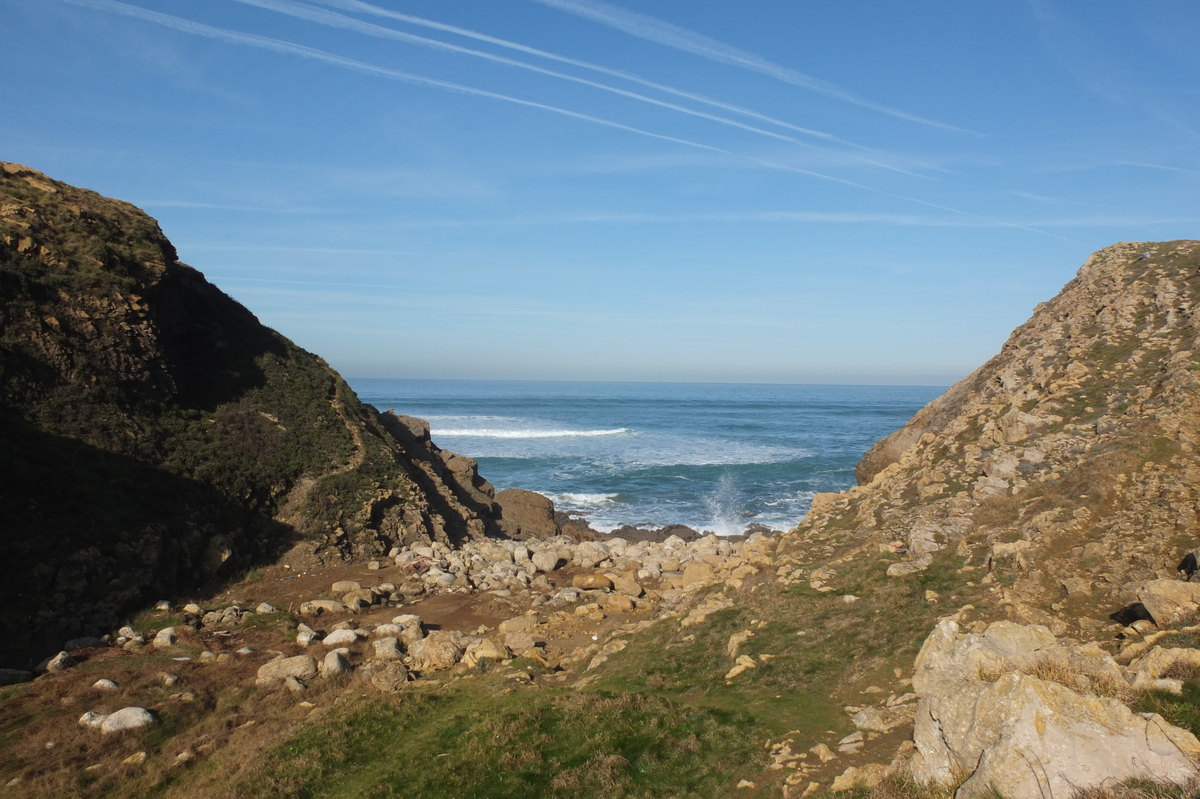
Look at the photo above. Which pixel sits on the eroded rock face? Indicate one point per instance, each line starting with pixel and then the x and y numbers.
pixel 1077 445
pixel 526 515
pixel 165 434
pixel 984 714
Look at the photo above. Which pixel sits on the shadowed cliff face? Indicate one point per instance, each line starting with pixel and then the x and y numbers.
pixel 1064 472
pixel 156 435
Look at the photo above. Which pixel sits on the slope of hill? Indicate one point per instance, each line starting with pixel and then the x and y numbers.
pixel 155 434
pixel 944 627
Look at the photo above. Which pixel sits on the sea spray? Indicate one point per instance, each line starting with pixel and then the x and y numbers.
pixel 711 456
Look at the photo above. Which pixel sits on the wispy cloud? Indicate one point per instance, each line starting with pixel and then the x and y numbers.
pixel 289 48
pixel 665 33
pixel 279 46
pixel 335 20
pixel 366 8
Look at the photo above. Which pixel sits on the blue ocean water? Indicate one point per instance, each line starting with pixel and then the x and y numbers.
pixel 716 457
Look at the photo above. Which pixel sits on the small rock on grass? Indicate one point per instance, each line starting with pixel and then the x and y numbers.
pixel 128 718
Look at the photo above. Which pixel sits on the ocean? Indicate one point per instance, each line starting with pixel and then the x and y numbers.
pixel 715 457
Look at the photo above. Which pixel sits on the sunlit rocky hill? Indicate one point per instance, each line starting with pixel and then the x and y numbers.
pixel 272 590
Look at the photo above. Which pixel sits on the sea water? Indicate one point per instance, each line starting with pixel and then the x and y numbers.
pixel 715 457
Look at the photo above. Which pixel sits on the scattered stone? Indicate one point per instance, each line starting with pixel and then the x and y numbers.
pixel 823 753
pixel 92 719
pixel 387 648
pixel 128 718
pixel 136 759
pixel 345 586
pixel 165 638
pixel 14 676
pixel 591 582
pixel 265 607
pixel 858 777
pixel 341 638
pixel 743 663
pixel 300 667
pixel 60 662
pixel 389 677
pixel 87 642
pixel 105 684
pixel 334 665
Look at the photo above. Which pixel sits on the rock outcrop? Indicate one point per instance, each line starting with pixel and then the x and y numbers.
pixel 1067 465
pixel 154 434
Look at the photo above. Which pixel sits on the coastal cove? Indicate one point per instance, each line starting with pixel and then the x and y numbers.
pixel 717 457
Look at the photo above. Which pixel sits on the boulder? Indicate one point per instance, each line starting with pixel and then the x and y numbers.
pixel 345 586
pixel 518 624
pixel 885 719
pixel 411 630
pixel 526 515
pixel 129 718
pixel 388 677
pixel 387 648
pixel 319 606
pixel 60 662
pixel 697 574
pixel 341 638
pixel 301 667
pixel 1170 601
pixel 591 582
pixel 164 638
pixel 334 665
pixel 14 676
pixel 981 714
pixel 545 560
pixel 438 650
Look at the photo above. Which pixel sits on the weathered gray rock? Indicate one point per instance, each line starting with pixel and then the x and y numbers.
pixel 1170 601
pixel 128 718
pixel 105 684
pixel 545 560
pixel 983 715
pixel 60 662
pixel 92 719
pixel 14 676
pixel 387 648
pixel 438 650
pixel 388 677
pixel 341 638
pixel 334 665
pixel 318 606
pixel 518 624
pixel 346 586
pixel 412 629
pixel 85 642
pixel 164 638
pixel 885 719
pixel 302 667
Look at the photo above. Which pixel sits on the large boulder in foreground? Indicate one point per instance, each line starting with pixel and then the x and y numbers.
pixel 994 707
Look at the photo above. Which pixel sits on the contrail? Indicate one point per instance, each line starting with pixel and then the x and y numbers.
pixel 333 19
pixel 367 8
pixel 276 45
pixel 657 30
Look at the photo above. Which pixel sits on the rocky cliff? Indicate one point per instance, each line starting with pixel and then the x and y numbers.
pixel 1066 464
pixel 153 433
pixel 1055 486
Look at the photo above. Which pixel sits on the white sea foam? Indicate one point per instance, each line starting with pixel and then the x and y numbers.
pixel 495 432
pixel 584 500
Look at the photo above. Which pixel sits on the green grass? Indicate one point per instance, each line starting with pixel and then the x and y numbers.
pixel 474 744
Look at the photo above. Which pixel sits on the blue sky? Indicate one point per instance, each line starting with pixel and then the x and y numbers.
pixel 571 189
